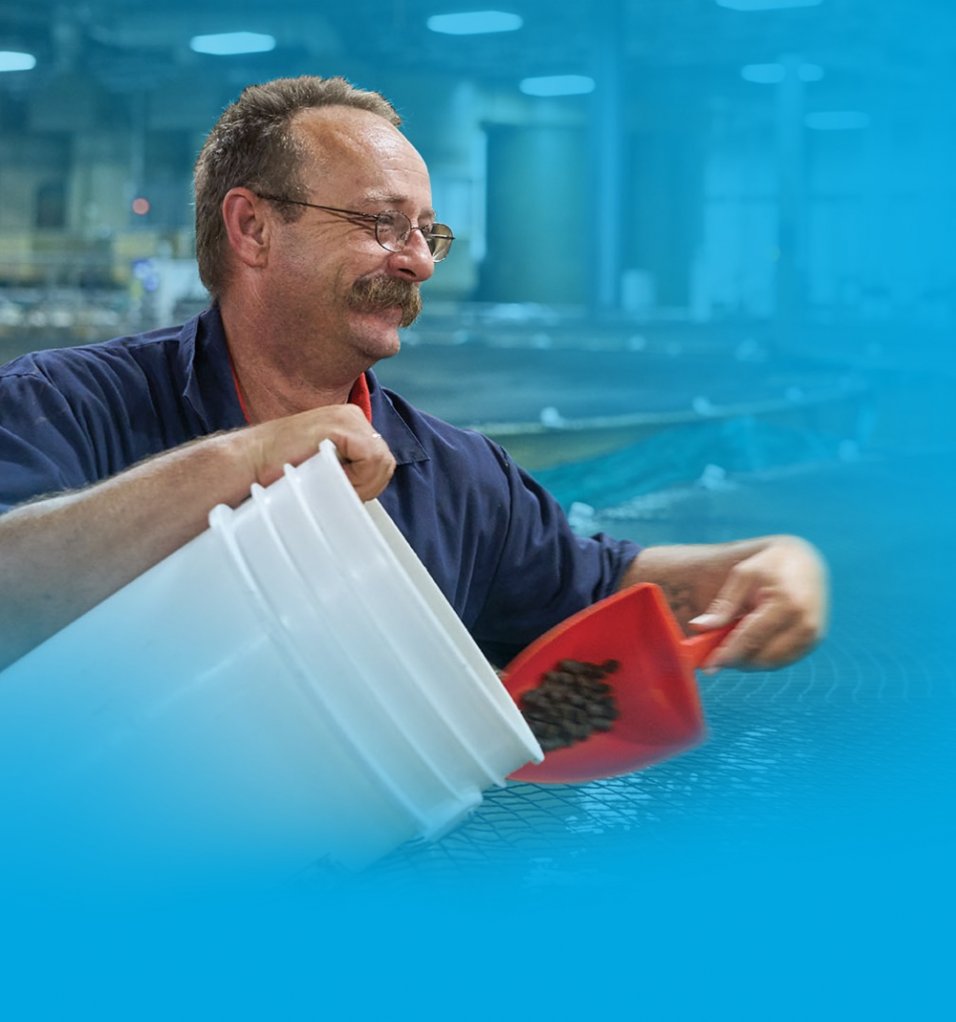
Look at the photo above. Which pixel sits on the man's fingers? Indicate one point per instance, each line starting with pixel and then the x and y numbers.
pixel 730 602
pixel 743 642
pixel 368 480
pixel 769 637
pixel 356 445
pixel 367 461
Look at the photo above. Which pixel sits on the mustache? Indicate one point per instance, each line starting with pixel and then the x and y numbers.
pixel 373 293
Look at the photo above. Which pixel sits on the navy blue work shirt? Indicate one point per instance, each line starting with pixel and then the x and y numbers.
pixel 498 545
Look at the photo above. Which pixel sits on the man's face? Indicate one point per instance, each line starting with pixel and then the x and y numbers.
pixel 336 283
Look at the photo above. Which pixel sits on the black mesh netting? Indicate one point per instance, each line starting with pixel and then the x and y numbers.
pixel 858 727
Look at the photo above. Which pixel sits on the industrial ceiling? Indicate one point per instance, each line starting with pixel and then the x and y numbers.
pixel 138 46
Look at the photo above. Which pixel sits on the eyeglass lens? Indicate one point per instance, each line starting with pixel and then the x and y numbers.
pixel 392 231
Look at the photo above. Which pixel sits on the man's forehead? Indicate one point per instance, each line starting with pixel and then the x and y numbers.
pixel 347 130
pixel 364 148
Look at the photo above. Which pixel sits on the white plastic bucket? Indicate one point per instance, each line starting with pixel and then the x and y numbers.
pixel 288 687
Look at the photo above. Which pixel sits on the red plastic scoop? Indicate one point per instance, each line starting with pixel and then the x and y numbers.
pixel 659 712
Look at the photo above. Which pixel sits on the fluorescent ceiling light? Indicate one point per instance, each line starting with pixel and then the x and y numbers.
pixel 765 5
pixel 770 74
pixel 224 44
pixel 13 60
pixel 763 74
pixel 557 85
pixel 474 22
pixel 837 120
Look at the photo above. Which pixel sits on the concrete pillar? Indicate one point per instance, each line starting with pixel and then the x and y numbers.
pixel 541 219
pixel 791 201
pixel 607 150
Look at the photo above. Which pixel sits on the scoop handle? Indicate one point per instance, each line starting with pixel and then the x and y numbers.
pixel 696 648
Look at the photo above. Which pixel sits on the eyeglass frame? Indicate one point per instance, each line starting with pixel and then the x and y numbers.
pixel 379 221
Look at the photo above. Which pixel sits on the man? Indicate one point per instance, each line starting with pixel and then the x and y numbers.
pixel 314 233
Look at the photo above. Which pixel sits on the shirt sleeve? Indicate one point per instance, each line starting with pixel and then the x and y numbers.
pixel 545 572
pixel 43 448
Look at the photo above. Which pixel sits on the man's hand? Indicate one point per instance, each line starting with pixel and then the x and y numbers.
pixel 266 448
pixel 780 596
pixel 775 587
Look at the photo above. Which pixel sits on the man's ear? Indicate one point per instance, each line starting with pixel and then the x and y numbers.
pixel 246 226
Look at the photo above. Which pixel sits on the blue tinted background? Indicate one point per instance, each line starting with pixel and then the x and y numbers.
pixel 698 302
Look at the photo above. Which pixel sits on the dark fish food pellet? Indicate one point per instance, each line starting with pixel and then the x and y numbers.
pixel 571 703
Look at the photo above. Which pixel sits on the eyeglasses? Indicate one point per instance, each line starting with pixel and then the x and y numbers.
pixel 392 228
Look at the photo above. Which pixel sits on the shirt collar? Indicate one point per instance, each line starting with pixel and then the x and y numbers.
pixel 404 445
pixel 205 366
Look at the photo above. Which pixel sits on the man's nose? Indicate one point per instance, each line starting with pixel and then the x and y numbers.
pixel 415 261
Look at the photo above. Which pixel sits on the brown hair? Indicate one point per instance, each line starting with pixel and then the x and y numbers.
pixel 252 145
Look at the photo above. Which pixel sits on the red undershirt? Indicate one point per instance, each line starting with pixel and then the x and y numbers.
pixel 358 396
